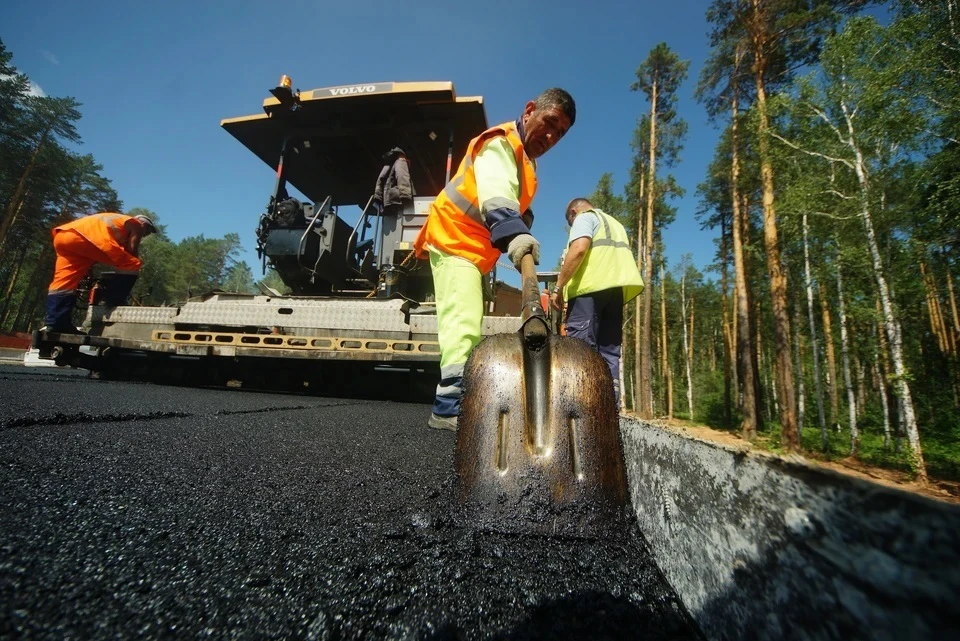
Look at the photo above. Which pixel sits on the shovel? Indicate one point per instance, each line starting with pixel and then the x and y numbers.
pixel 538 444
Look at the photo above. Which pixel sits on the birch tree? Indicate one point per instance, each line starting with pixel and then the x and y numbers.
pixel 857 101
pixel 845 355
pixel 808 285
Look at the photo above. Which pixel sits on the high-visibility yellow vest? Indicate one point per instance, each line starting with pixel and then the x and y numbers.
pixel 608 263
pixel 455 224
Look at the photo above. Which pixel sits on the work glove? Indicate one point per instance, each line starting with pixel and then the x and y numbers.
pixel 521 245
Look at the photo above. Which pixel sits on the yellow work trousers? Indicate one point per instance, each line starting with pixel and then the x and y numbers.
pixel 458 285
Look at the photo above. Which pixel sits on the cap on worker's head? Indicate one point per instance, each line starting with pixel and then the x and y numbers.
pixel 146 222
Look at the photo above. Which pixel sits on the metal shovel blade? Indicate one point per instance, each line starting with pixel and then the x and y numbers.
pixel 538 444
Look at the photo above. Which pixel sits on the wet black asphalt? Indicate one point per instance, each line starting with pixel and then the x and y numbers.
pixel 141 511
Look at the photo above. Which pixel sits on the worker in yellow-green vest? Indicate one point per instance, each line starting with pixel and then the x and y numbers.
pixel 598 277
pixel 481 213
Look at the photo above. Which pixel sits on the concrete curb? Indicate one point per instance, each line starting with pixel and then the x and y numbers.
pixel 10 354
pixel 759 546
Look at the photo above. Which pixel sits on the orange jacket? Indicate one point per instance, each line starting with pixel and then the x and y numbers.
pixel 455 224
pixel 107 231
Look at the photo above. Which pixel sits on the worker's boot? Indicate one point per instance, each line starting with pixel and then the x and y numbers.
pixel 446 404
pixel 442 422
pixel 60 311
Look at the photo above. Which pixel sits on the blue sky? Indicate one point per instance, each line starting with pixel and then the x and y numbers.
pixel 155 79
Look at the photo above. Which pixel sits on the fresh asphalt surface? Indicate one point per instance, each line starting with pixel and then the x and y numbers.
pixel 133 510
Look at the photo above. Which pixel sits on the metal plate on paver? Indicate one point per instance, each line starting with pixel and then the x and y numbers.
pixel 265 311
pixel 384 315
pixel 150 315
pixel 427 324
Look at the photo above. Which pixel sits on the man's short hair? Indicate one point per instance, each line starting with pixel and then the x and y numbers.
pixel 557 97
pixel 577 202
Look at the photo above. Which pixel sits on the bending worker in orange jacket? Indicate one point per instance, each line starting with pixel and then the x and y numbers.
pixel 476 218
pixel 109 238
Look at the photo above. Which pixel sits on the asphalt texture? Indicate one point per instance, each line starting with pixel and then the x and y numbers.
pixel 133 510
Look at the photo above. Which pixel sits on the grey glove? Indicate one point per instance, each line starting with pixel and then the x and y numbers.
pixel 520 246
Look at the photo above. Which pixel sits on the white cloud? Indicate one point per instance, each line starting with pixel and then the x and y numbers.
pixel 33 90
pixel 52 59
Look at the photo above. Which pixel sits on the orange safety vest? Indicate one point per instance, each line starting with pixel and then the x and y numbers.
pixel 454 224
pixel 103 230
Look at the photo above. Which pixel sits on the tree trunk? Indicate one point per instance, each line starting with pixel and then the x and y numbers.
pixel 690 350
pixel 9 222
pixel 745 359
pixel 755 314
pixel 664 359
pixel 623 389
pixel 19 193
pixel 890 320
pixel 789 434
pixel 814 345
pixel 801 392
pixel 712 352
pixel 953 307
pixel 933 310
pixel 669 391
pixel 646 383
pixel 34 291
pixel 734 340
pixel 882 389
pixel 773 403
pixel 955 333
pixel 687 353
pixel 638 311
pixel 725 322
pixel 831 372
pixel 845 353
pixel 860 371
pixel 884 353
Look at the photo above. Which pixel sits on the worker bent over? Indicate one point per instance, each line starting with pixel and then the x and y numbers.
pixel 473 220
pixel 598 277
pixel 108 238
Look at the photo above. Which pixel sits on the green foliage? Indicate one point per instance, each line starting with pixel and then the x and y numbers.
pixel 942 453
pixel 42 184
pixel 239 279
pixel 660 74
pixel 869 131
pixel 604 198
pixel 709 400
pixel 174 272
pixel 274 282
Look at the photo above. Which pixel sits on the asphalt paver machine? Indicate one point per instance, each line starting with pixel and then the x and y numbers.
pixel 360 306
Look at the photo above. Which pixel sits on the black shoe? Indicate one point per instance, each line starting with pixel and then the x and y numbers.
pixel 68 329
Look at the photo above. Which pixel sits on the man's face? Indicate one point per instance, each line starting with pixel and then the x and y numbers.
pixel 542 128
pixel 570 216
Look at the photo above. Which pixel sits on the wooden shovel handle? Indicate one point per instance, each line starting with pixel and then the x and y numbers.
pixel 530 298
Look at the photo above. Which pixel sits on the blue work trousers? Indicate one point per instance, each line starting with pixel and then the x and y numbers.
pixel 597 319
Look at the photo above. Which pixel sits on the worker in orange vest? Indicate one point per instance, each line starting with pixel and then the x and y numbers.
pixel 473 220
pixel 109 238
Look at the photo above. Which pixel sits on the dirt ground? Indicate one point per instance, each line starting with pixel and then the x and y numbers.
pixel 948 491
